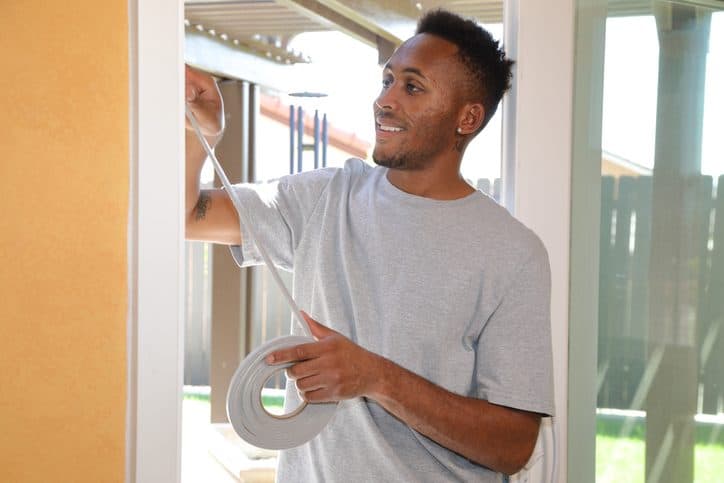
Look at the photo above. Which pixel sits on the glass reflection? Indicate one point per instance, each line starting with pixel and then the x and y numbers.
pixel 661 292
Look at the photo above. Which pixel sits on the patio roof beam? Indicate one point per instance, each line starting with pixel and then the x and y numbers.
pixel 337 16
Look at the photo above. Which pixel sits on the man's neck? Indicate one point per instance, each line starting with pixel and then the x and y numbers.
pixel 431 182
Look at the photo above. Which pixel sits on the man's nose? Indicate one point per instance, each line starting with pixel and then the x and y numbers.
pixel 387 99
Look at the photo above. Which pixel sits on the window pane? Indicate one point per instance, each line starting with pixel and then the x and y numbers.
pixel 483 157
pixel 661 290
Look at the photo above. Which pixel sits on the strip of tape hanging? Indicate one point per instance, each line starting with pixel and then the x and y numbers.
pixel 244 402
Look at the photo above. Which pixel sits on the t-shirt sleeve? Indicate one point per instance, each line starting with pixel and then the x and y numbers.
pixel 514 356
pixel 278 212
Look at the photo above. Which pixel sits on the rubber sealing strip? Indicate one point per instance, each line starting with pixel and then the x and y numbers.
pixel 247 414
pixel 243 400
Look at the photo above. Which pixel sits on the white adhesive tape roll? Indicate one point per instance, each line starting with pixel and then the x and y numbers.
pixel 247 414
pixel 243 401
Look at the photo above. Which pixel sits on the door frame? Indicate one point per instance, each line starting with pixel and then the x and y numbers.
pixel 538 141
pixel 155 242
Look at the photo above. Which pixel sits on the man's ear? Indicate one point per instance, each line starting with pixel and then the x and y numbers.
pixel 471 118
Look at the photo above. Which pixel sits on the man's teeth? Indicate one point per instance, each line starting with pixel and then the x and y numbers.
pixel 390 128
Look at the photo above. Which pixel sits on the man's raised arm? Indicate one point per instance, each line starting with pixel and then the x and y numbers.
pixel 210 215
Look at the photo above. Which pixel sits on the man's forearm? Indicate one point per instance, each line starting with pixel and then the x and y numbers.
pixel 195 157
pixel 494 436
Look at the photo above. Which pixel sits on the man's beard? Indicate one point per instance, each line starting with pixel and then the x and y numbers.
pixel 403 161
pixel 411 155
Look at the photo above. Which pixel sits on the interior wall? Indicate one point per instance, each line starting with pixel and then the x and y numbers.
pixel 64 186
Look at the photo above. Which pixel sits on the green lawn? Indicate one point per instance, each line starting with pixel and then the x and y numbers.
pixel 274 403
pixel 621 460
pixel 618 460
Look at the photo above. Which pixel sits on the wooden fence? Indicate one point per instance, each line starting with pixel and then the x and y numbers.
pixel 624 299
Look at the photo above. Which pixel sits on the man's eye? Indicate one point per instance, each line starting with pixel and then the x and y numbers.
pixel 386 83
pixel 412 88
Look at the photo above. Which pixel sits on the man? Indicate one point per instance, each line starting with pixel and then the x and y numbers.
pixel 434 300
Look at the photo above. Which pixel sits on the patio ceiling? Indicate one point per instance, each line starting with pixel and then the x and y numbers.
pixel 264 27
pixel 226 37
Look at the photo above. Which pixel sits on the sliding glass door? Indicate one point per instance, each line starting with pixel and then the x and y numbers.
pixel 660 309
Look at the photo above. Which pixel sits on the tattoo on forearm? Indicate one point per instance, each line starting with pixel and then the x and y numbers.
pixel 202 206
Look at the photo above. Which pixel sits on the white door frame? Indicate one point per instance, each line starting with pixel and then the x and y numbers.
pixel 155 242
pixel 540 153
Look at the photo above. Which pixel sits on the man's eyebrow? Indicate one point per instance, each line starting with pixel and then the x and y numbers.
pixel 409 70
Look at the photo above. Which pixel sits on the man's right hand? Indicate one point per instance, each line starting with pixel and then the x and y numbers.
pixel 204 99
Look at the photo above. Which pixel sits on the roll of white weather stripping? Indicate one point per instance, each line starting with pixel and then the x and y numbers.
pixel 243 401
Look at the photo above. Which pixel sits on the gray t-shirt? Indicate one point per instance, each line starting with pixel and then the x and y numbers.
pixel 455 291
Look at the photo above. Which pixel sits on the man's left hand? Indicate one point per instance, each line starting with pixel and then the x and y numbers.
pixel 331 369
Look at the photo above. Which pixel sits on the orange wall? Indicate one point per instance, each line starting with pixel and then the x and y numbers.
pixel 64 191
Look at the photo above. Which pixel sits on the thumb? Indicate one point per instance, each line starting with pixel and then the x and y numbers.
pixel 318 330
pixel 191 87
pixel 191 93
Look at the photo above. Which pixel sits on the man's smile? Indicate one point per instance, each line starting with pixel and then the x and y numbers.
pixel 382 127
pixel 385 127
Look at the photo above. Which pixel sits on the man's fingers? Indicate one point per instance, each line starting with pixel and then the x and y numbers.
pixel 193 87
pixel 311 383
pixel 303 369
pixel 322 395
pixel 190 93
pixel 203 84
pixel 292 354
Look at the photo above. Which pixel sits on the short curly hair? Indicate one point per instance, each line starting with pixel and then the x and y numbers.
pixel 485 60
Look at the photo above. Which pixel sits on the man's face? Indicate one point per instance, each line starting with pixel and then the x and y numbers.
pixel 416 111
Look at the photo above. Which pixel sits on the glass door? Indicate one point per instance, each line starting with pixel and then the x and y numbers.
pixel 660 363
